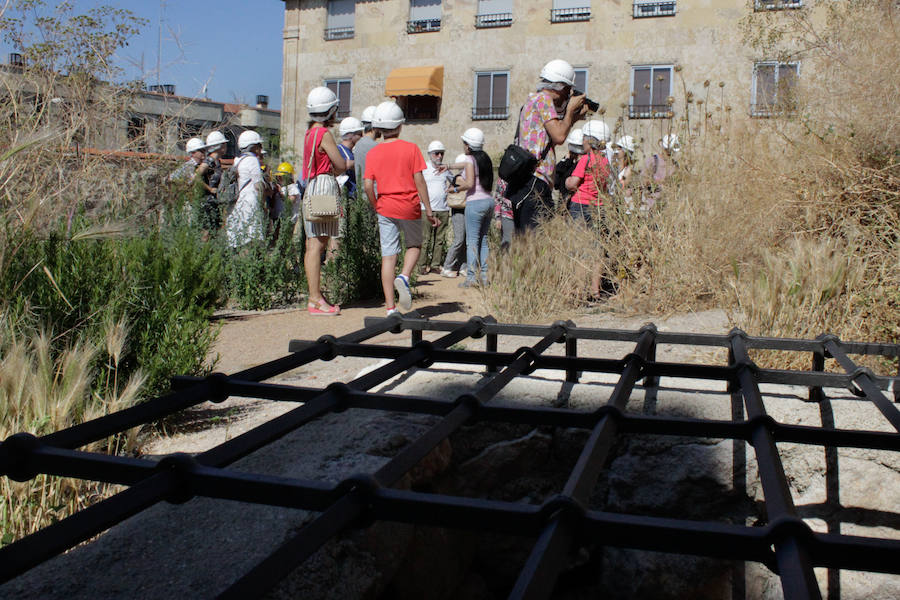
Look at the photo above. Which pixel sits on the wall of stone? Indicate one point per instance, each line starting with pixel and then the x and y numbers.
pixel 702 37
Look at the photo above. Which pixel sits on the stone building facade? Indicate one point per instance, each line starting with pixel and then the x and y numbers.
pixel 632 56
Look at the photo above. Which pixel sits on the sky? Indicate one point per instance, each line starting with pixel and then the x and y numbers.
pixel 232 46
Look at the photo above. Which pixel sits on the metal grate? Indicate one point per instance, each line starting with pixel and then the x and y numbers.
pixel 423 26
pixel 566 15
pixel 653 9
pixel 339 33
pixel 486 113
pixel 785 544
pixel 493 20
pixel 649 111
pixel 760 5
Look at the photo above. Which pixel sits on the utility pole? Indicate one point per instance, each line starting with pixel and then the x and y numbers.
pixel 162 8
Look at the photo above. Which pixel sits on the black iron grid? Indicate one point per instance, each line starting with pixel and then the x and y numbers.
pixel 785 544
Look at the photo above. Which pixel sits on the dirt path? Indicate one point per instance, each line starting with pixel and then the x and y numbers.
pixel 249 338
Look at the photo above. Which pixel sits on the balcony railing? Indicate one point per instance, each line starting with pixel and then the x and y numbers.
pixel 484 113
pixel 653 9
pixel 339 33
pixel 649 111
pixel 775 109
pixel 423 25
pixel 567 15
pixel 493 20
pixel 761 5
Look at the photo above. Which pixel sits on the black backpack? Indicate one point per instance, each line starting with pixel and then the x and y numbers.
pixel 517 163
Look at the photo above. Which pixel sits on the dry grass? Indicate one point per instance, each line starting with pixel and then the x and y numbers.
pixel 792 223
pixel 42 391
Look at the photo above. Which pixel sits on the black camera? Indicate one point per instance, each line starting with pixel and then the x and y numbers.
pixel 592 106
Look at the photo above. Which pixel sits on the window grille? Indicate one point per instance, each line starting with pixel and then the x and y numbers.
pixel 645 8
pixel 340 19
pixel 783 541
pixel 760 5
pixel 568 15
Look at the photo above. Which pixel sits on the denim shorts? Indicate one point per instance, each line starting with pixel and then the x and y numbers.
pixel 389 230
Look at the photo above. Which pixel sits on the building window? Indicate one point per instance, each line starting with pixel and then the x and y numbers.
pixel 424 16
pixel 773 86
pixel 136 131
pixel 339 24
pixel 776 4
pixel 581 80
pixel 651 87
pixel 491 95
pixel 494 13
pixel 420 108
pixel 566 11
pixel 653 8
pixel 342 89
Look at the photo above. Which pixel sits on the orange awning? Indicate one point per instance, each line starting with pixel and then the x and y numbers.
pixel 415 81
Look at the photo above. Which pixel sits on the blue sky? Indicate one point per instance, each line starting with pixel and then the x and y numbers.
pixel 234 45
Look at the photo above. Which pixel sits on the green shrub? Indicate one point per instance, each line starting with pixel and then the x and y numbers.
pixel 355 274
pixel 163 283
pixel 266 273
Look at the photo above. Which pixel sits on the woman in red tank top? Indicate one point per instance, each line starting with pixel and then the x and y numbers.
pixel 320 155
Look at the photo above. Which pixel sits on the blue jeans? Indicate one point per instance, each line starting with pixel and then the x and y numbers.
pixel 478 225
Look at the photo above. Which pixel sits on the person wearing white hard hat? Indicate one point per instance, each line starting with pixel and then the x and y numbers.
pixel 396 167
pixel 321 156
pixel 589 180
pixel 477 180
pixel 545 121
pixel 245 221
pixel 624 165
pixel 434 244
pixel 656 169
pixel 456 253
pixel 590 184
pixel 565 167
pixel 367 142
pixel 210 174
pixel 351 131
pixel 196 151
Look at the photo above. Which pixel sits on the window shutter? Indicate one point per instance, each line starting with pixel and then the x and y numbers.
pixel 423 10
pixel 661 88
pixel 498 93
pixel 490 7
pixel 642 79
pixel 581 78
pixel 558 4
pixel 341 13
pixel 344 97
pixel 483 91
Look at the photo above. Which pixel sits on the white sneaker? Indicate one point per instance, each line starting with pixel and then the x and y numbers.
pixel 392 311
pixel 401 284
pixel 448 273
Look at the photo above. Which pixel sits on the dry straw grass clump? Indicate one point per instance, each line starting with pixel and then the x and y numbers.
pixel 791 222
pixel 42 391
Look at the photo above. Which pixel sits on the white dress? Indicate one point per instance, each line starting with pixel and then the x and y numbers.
pixel 244 224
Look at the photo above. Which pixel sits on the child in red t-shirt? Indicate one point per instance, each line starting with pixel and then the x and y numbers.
pixel 395 166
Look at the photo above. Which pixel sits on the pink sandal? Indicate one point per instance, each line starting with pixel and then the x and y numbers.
pixel 322 309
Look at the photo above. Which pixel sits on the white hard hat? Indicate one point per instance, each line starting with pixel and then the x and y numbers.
pixel 436 146
pixel 559 71
pixel 474 137
pixel 215 138
pixel 350 125
pixel 596 129
pixel 575 140
pixel 460 158
pixel 367 114
pixel 388 115
pixel 670 142
pixel 193 145
pixel 248 138
pixel 320 100
pixel 626 142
